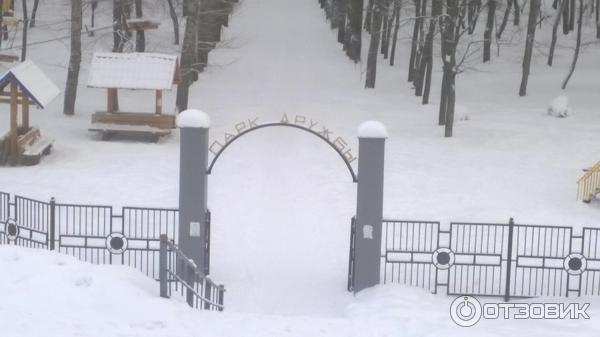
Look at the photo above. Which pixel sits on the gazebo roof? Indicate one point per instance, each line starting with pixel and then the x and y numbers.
pixel 147 71
pixel 32 81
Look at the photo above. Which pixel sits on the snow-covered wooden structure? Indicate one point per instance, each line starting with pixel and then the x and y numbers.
pixel 133 71
pixel 27 85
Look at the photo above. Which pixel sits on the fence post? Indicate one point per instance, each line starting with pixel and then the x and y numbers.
pixel 52 232
pixel 511 224
pixel 207 293
pixel 221 296
pixel 162 266
pixel 189 279
pixel 206 269
pixel 194 126
pixel 369 205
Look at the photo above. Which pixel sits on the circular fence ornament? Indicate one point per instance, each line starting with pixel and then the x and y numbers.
pixel 12 230
pixel 575 264
pixel 443 258
pixel 116 243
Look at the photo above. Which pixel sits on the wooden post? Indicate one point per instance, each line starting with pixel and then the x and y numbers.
pixel 110 108
pixel 13 152
pixel 25 104
pixel 158 102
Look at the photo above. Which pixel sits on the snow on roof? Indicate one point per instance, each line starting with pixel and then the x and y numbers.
pixel 372 129
pixel 133 71
pixel 192 118
pixel 33 82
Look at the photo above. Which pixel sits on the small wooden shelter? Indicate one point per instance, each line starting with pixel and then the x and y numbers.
pixel 27 85
pixel 134 71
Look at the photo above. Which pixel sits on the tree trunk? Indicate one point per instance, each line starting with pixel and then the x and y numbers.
pixel 374 45
pixel 561 8
pixel 566 17
pixel 75 59
pixel 436 11
pixel 24 37
pixel 118 36
pixel 534 8
pixel 597 8
pixel 175 20
pixel 396 19
pixel 517 18
pixel 577 45
pixel 140 35
pixel 188 54
pixel 343 13
pixel 419 72
pixel 487 35
pixel 504 19
pixel 449 59
pixel 36 3
pixel 355 17
pixel 415 39
pixel 368 17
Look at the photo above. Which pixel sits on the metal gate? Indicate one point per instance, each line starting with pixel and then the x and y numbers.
pixel 485 259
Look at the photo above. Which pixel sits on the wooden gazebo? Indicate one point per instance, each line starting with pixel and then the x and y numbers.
pixel 27 85
pixel 134 71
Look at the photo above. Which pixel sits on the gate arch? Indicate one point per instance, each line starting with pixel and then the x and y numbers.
pixel 296 126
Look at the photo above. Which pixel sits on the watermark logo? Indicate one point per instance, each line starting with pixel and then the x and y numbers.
pixel 467 311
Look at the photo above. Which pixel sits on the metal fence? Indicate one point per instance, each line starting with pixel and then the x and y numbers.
pixel 500 260
pixel 190 283
pixel 92 233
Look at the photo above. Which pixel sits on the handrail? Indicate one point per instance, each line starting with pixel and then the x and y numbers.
pixel 201 291
pixel 588 186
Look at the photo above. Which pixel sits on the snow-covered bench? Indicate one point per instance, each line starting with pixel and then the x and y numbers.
pixel 108 130
pixel 33 152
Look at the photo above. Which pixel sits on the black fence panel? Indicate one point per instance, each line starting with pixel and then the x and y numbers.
pixel 140 232
pixel 84 231
pixel 480 259
pixel 590 280
pixel 407 253
pixel 539 253
pixel 4 215
pixel 31 226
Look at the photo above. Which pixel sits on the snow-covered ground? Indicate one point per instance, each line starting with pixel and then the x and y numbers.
pixel 281 200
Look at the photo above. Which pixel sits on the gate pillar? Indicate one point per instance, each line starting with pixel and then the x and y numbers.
pixel 193 162
pixel 369 207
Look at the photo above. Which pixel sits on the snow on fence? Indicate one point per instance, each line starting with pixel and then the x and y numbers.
pixel 498 260
pixel 588 186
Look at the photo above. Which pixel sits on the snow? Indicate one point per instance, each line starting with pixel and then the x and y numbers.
pixel 150 71
pixel 50 294
pixel 281 201
pixel 193 118
pixel 372 129
pixel 560 107
pixel 40 88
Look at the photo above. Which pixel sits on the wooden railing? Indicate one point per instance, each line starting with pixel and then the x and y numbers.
pixel 190 282
pixel 588 186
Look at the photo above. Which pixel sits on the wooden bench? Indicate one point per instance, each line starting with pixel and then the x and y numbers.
pixel 33 152
pixel 109 130
pixel 132 124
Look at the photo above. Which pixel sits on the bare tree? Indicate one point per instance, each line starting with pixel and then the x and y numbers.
pixel 36 3
pixel 374 44
pixel 189 53
pixel 140 35
pixel 415 41
pixel 559 12
pixel 396 19
pixel 534 9
pixel 436 11
pixel 175 20
pixel 577 45
pixel 24 36
pixel 450 36
pixel 500 30
pixel 489 26
pixel 355 17
pixel 75 58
